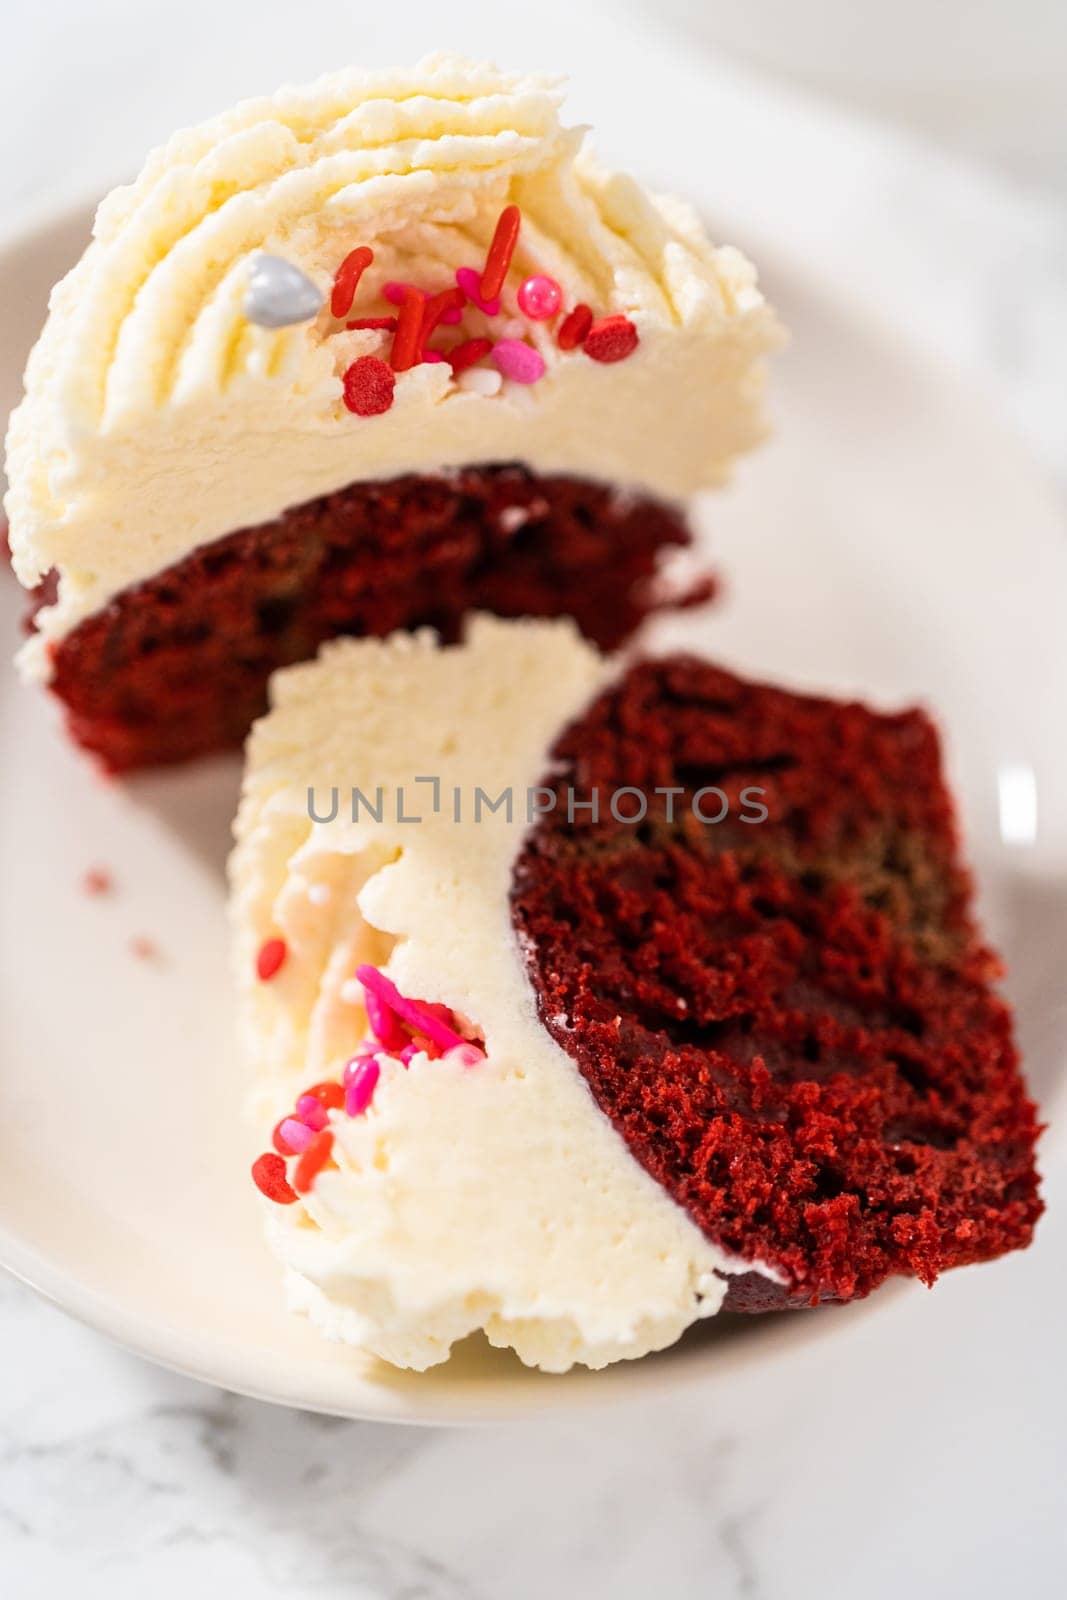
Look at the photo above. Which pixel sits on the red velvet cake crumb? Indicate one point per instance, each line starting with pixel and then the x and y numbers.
pixel 178 665
pixel 791 1022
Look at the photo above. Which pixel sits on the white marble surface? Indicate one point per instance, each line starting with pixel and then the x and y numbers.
pixel 926 1458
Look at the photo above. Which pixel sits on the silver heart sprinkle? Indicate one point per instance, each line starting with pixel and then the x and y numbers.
pixel 279 294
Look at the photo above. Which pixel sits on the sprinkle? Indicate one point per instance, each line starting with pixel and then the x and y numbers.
pixel 293 1136
pixel 407 339
pixel 365 1052
pixel 431 358
pixel 361 1087
pixel 330 1094
pixel 368 386
pixel 280 1144
pixel 143 948
pixel 346 279
pixel 518 361
pixel 394 293
pixel 387 324
pixel 319 894
pixel 409 1052
pixel 279 294
pixel 468 1055
pixel 311 1111
pixel 268 1175
pixel 97 880
pixel 312 1161
pixel 469 281
pixel 435 310
pixel 501 250
pixel 480 380
pixel 384 1023
pixel 464 355
pixel 272 952
pixel 574 327
pixel 351 992
pixel 611 339
pixel 540 298
pixel 419 1017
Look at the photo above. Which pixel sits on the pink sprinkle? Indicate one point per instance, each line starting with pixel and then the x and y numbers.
pixel 470 282
pixel 468 1055
pixel 97 881
pixel 418 1017
pixel 409 1052
pixel 384 1024
pixel 353 1064
pixel 312 1112
pixel 361 1087
pixel 394 293
pixel 297 1135
pixel 540 298
pixel 518 361
pixel 433 355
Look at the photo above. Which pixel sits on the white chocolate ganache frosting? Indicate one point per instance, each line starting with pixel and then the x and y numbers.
pixel 483 1189
pixel 158 416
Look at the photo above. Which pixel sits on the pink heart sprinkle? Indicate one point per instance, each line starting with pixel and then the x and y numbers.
pixel 297 1135
pixel 470 282
pixel 518 361
pixel 361 1087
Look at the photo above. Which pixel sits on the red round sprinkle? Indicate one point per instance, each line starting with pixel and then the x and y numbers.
pixel 312 1161
pixel 368 386
pixel 407 341
pixel 611 339
pixel 331 1094
pixel 574 327
pixel 280 1144
pixel 498 260
pixel 346 279
pixel 268 1175
pixel 388 324
pixel 272 952
pixel 464 355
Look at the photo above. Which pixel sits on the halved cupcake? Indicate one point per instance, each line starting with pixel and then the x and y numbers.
pixel 363 355
pixel 585 1000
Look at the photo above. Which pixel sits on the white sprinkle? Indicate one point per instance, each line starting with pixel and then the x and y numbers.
pixel 351 992
pixel 319 894
pixel 480 380
pixel 512 518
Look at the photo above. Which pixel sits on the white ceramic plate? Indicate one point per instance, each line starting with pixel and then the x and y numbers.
pixel 892 541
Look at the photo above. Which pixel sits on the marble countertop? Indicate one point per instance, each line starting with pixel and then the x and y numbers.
pixel 927 1459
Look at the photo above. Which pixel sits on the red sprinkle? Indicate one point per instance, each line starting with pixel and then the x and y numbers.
pixel 368 386
pixel 438 306
pixel 276 1139
pixel 464 355
pixel 346 279
pixel 407 341
pixel 272 952
pixel 386 323
pixel 312 1161
pixel 268 1175
pixel 500 253
pixel 574 327
pixel 611 339
pixel 331 1094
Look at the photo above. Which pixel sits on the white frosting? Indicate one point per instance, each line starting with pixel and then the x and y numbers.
pixel 496 1196
pixel 157 417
